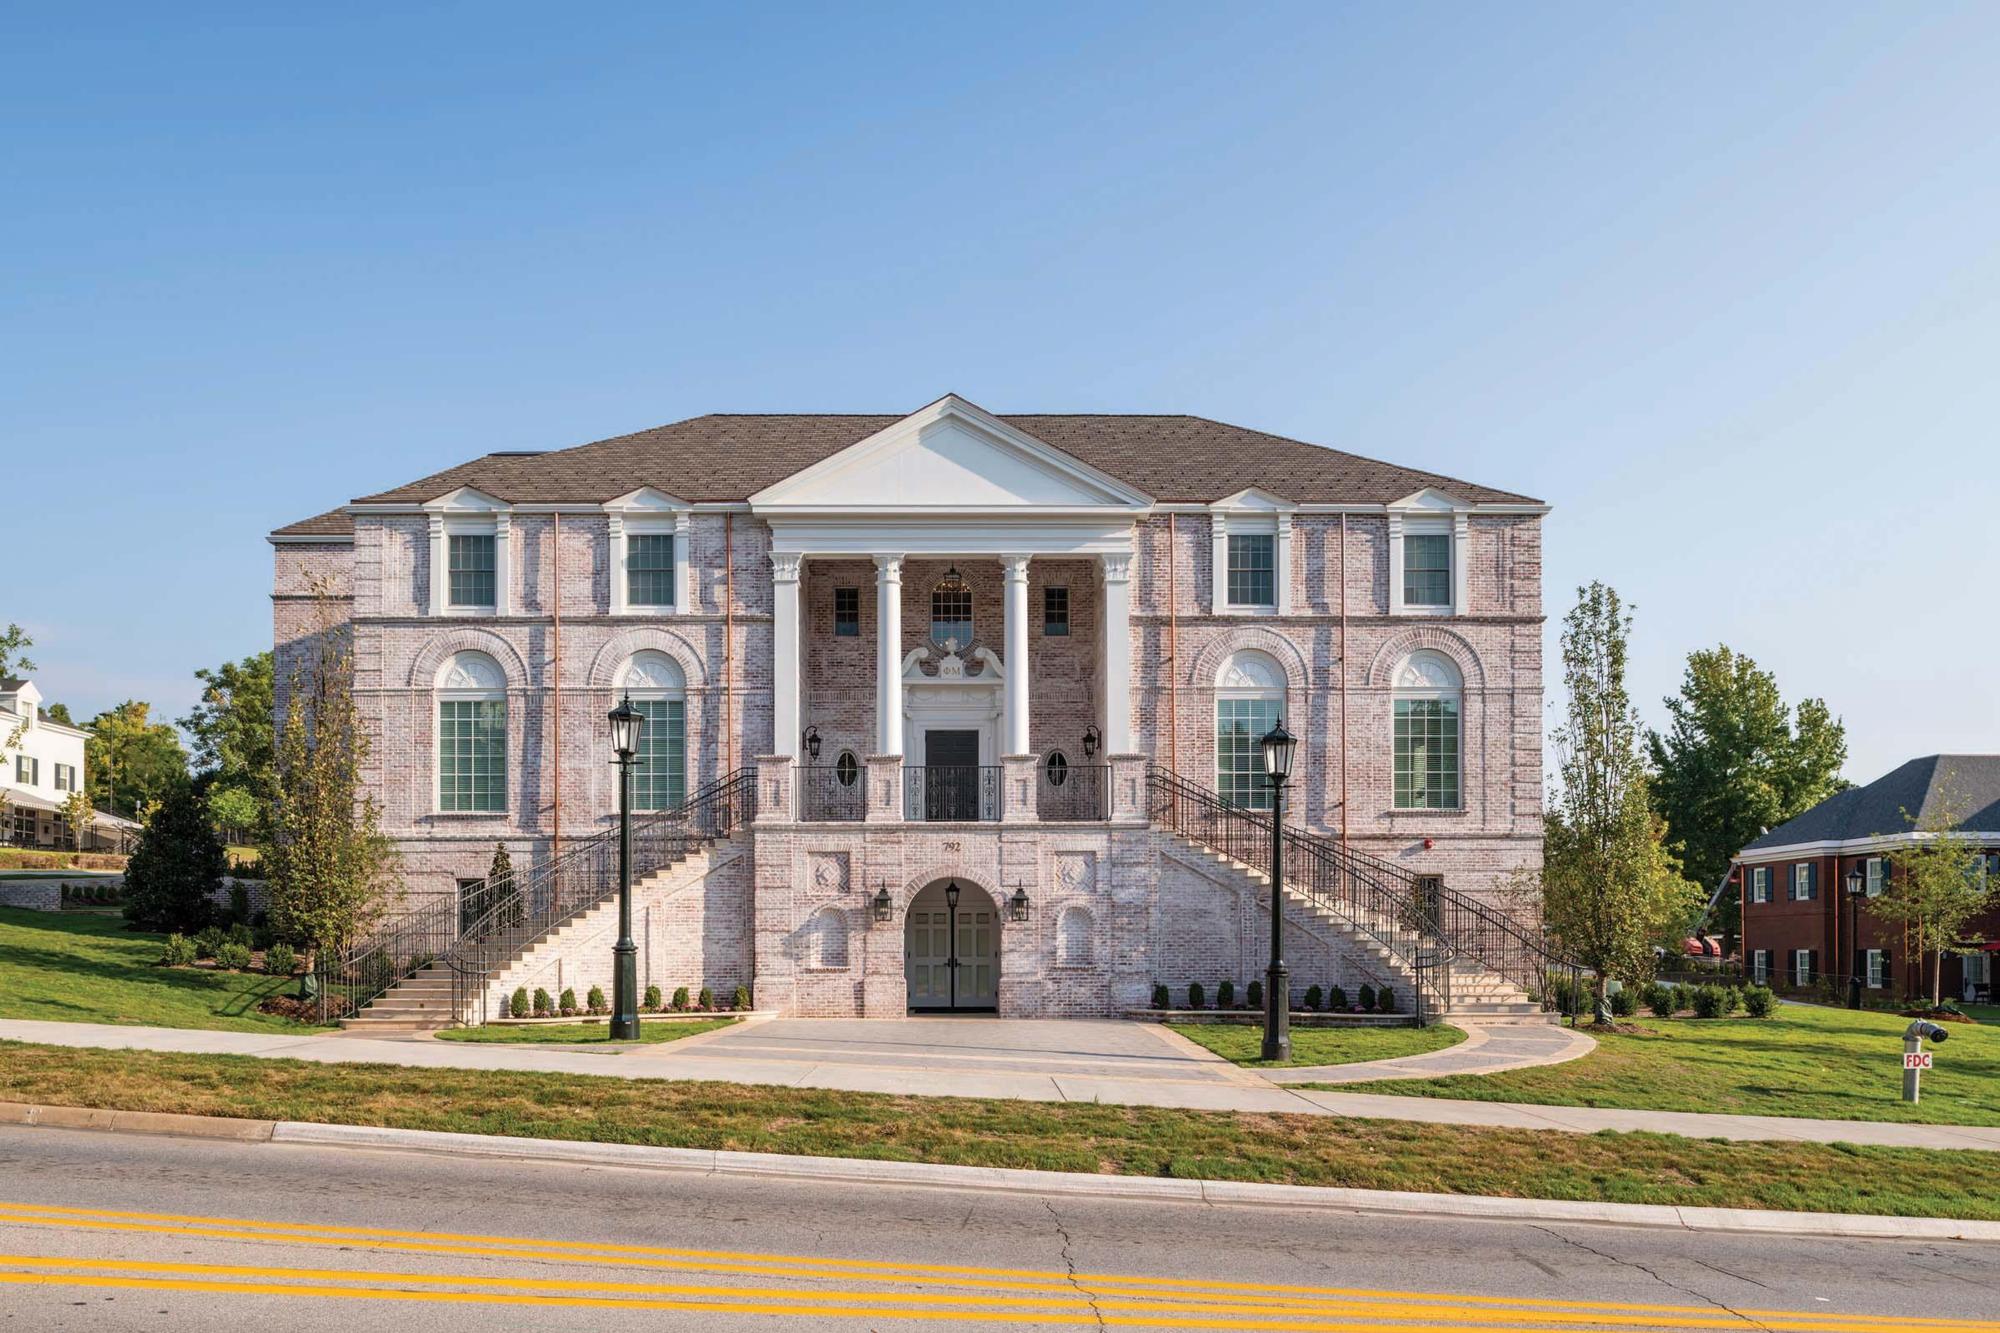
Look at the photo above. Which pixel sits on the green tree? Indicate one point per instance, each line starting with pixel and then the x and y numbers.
pixel 328 864
pixel 78 816
pixel 233 809
pixel 1611 890
pixel 1938 884
pixel 58 713
pixel 14 645
pixel 131 760
pixel 234 737
pixel 1736 760
pixel 176 871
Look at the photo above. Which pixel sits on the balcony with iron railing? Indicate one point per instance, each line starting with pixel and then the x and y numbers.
pixel 952 793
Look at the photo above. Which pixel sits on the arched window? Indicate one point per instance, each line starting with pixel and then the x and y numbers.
pixel 1249 700
pixel 1075 937
pixel 847 769
pixel 1058 767
pixel 826 939
pixel 951 610
pixel 1428 688
pixel 658 689
pixel 472 736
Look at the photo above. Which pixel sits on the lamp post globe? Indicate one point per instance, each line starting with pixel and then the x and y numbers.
pixel 1857 884
pixel 628 725
pixel 1278 747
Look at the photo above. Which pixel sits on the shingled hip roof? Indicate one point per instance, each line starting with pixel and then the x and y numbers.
pixel 1917 790
pixel 724 458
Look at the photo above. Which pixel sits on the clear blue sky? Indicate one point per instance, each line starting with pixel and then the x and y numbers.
pixel 1722 282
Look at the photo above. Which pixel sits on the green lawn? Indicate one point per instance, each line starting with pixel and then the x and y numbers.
pixel 583 1034
pixel 87 968
pixel 1243 1043
pixel 1059 1136
pixel 1831 1064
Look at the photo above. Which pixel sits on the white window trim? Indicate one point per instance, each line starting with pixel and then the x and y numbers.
pixel 1430 511
pixel 1875 876
pixel 1760 965
pixel 1251 513
pixel 469 513
pixel 649 693
pixel 654 513
pixel 1801 892
pixel 1760 884
pixel 1802 967
pixel 444 694
pixel 1227 688
pixel 1401 688
pixel 1874 971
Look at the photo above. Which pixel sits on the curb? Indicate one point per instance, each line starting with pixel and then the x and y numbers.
pixel 864 1171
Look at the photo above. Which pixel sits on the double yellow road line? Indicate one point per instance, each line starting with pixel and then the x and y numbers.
pixel 958 1294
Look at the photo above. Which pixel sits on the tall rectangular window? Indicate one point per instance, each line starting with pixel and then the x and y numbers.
pixel 1760 965
pixel 1802 969
pixel 1427 569
pixel 1878 876
pixel 65 777
pixel 1802 882
pixel 471 558
pixel 1239 763
pixel 1760 884
pixel 847 613
pixel 1055 610
pixel 660 781
pixel 1878 971
pixel 649 569
pixel 472 756
pixel 1426 754
pixel 1252 561
pixel 26 770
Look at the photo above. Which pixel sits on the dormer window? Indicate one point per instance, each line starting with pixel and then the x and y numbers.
pixel 470 533
pixel 472 566
pixel 1427 568
pixel 649 569
pixel 1252 569
pixel 1430 535
pixel 648 535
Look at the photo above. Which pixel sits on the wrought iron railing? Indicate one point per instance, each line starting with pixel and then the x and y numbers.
pixel 1416 918
pixel 562 889
pixel 1079 792
pixel 832 793
pixel 951 793
pixel 345 979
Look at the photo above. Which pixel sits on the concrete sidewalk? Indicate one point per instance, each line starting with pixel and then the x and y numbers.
pixel 1126 1064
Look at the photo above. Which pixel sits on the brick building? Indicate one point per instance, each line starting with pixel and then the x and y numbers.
pixel 1803 930
pixel 952 646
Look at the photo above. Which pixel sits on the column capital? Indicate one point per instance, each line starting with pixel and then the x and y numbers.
pixel 1015 567
pixel 1117 566
pixel 889 567
pixel 785 566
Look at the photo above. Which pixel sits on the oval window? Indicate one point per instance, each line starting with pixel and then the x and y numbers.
pixel 1058 766
pixel 846 768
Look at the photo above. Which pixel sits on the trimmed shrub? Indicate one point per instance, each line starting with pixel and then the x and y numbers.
pixel 240 933
pixel 1385 1000
pixel 178 951
pixel 651 1002
pixel 1367 998
pixel 1197 997
pixel 239 903
pixel 207 941
pixel 706 1000
pixel 176 871
pixel 518 1006
pixel 1658 999
pixel 1708 1002
pixel 566 1002
pixel 542 1003
pixel 681 998
pixel 280 961
pixel 1624 1002
pixel 233 956
pixel 1336 1000
pixel 1161 999
pixel 1314 996
pixel 594 1000
pixel 1253 995
pixel 1759 1001
pixel 739 1000
pixel 1225 995
pixel 1732 1000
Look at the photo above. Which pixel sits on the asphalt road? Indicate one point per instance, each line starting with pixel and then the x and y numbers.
pixel 111 1231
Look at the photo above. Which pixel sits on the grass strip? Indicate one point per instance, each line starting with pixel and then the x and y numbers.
pixel 581 1034
pixel 1244 1043
pixel 1054 1136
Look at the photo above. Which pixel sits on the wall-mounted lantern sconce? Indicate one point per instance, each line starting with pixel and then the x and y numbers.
pixel 812 744
pixel 885 907
pixel 1092 738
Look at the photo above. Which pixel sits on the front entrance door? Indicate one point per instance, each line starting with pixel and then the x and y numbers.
pixel 941 978
pixel 951 774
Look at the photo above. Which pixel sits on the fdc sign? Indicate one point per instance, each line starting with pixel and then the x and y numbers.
pixel 1916 1059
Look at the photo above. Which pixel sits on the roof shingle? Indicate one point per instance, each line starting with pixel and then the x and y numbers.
pixel 1920 787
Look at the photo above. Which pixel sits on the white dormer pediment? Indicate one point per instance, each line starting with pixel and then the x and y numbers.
pixel 951 455
pixel 1429 500
pixel 466 500
pixel 1254 501
pixel 646 500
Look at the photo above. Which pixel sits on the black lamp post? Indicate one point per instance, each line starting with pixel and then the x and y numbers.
pixel 951 938
pixel 1856 883
pixel 627 723
pixel 1278 746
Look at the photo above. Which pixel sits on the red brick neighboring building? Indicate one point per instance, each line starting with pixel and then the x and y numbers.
pixel 1801 927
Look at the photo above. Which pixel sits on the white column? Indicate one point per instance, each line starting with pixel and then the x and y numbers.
pixel 1218 579
pixel 683 564
pixel 1281 572
pixel 1016 570
pixel 439 574
pixel 1395 563
pixel 784 652
pixel 503 565
pixel 889 654
pixel 1117 616
pixel 1461 551
pixel 621 586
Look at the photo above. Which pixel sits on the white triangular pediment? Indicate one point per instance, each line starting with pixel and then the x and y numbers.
pixel 646 500
pixel 466 500
pixel 1255 501
pixel 1430 499
pixel 950 455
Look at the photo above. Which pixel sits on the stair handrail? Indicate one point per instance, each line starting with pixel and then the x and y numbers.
pixel 347 977
pixel 565 887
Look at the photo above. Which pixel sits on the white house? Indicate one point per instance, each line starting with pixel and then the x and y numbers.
pixel 41 763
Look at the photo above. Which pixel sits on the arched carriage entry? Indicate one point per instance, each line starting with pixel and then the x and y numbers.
pixel 951 949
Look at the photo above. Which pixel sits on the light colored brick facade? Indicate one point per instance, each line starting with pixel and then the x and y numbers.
pixel 1117 907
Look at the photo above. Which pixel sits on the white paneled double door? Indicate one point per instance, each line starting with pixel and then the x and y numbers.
pixel 928 954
